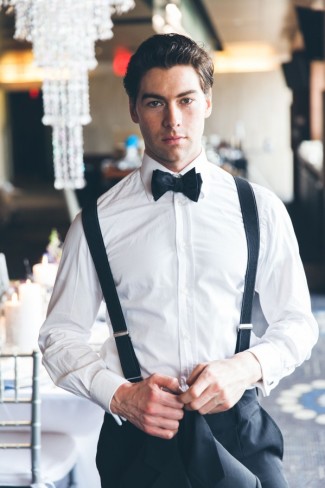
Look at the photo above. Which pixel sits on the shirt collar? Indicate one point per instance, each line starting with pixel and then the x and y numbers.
pixel 149 165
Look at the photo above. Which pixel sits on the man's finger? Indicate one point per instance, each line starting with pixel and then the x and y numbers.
pixel 214 405
pixel 163 423
pixel 195 374
pixel 205 398
pixel 168 390
pixel 161 411
pixel 196 390
pixel 162 433
pixel 166 382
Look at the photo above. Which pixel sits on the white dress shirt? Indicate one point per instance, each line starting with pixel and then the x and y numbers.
pixel 179 269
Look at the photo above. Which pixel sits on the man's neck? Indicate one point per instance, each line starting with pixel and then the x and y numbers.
pixel 176 167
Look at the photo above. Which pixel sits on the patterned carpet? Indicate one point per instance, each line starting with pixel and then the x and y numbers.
pixel 298 406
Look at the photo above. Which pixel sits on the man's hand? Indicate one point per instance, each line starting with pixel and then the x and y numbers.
pixel 152 405
pixel 218 385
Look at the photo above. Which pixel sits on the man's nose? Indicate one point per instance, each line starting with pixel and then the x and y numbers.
pixel 172 116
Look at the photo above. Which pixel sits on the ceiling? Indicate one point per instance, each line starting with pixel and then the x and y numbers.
pixel 264 21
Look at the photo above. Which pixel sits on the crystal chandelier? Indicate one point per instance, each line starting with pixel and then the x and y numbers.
pixel 63 35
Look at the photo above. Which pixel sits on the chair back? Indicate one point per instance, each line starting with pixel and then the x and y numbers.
pixel 15 391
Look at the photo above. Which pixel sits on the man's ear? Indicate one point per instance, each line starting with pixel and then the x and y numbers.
pixel 208 101
pixel 133 111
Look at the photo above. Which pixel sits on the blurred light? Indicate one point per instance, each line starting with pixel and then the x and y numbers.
pixel 167 18
pixel 121 60
pixel 318 5
pixel 173 14
pixel 245 57
pixel 34 93
pixel 311 4
pixel 158 22
pixel 17 67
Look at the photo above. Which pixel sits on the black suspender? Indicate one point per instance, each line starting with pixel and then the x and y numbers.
pixel 128 359
pixel 252 230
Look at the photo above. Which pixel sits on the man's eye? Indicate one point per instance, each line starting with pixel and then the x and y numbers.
pixel 154 103
pixel 187 101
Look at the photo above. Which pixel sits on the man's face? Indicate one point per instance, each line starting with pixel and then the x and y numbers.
pixel 171 109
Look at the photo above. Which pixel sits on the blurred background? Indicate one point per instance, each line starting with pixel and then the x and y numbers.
pixel 267 121
pixel 268 125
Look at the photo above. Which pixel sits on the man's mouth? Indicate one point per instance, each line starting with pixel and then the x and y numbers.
pixel 173 139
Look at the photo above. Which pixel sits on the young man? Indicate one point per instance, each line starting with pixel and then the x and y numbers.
pixel 178 262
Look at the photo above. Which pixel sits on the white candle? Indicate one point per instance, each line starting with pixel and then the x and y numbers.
pixel 44 273
pixel 31 299
pixel 4 278
pixel 24 315
pixel 14 321
pixel 30 293
pixel 2 332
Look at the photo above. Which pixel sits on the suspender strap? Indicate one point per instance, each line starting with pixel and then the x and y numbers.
pixel 252 231
pixel 128 359
pixel 129 362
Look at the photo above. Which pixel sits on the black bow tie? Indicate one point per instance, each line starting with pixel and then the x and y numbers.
pixel 189 184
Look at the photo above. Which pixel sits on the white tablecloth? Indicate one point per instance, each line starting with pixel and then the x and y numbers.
pixel 64 412
pixel 80 418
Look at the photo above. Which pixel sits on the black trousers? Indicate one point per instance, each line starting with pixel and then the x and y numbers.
pixel 250 448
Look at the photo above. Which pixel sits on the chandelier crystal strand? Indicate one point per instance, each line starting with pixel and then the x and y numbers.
pixel 63 35
pixel 58 158
pixel 24 23
pixel 122 6
pixel 102 12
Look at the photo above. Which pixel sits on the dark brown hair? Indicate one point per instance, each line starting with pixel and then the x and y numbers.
pixel 166 51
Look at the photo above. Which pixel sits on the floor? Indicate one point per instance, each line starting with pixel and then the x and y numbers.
pixel 298 407
pixel 297 404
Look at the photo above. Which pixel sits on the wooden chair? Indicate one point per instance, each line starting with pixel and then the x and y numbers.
pixel 29 457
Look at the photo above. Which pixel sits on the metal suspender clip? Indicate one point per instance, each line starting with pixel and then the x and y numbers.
pixel 121 333
pixel 245 326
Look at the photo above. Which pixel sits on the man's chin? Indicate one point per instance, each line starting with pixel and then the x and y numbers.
pixel 173 157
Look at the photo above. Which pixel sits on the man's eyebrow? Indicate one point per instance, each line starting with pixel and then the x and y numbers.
pixel 160 97
pixel 152 95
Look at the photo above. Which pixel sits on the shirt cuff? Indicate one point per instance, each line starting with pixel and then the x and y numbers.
pixel 118 419
pixel 103 388
pixel 270 361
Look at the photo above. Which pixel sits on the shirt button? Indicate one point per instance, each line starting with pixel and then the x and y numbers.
pixel 180 200
pixel 183 383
